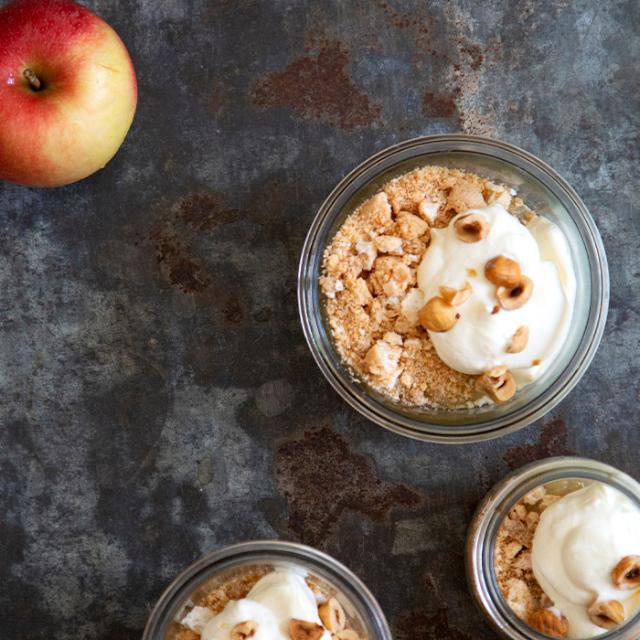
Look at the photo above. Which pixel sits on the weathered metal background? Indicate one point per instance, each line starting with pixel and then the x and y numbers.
pixel 157 396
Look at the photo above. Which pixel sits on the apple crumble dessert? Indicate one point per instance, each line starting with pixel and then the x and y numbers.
pixel 279 604
pixel 567 559
pixel 443 289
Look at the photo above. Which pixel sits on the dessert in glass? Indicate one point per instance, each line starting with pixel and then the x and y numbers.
pixel 444 289
pixel 267 590
pixel 453 288
pixel 554 551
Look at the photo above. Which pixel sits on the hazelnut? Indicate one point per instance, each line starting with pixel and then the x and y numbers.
pixel 471 228
pixel 244 630
pixel 626 574
pixel 345 634
pixel 511 298
pixel 498 384
pixel 548 623
pixel 502 271
pixel 332 615
pixel 438 315
pixel 454 296
pixel 519 340
pixel 303 630
pixel 607 615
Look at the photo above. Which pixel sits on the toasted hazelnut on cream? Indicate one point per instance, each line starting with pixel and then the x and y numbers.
pixel 626 574
pixel 519 340
pixel 332 615
pixel 545 621
pixel 607 614
pixel 515 297
pixel 303 630
pixel 244 630
pixel 498 383
pixel 345 634
pixel 454 296
pixel 471 228
pixel 438 315
pixel 502 271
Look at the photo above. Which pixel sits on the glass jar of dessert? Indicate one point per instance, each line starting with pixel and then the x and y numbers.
pixel 554 551
pixel 453 288
pixel 267 590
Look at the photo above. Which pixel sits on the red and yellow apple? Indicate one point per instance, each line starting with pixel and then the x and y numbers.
pixel 68 92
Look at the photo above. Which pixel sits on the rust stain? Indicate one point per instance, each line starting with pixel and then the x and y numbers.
pixel 551 442
pixel 174 259
pixel 204 211
pixel 321 478
pixel 472 51
pixel 172 237
pixel 318 87
pixel 439 105
pixel 414 624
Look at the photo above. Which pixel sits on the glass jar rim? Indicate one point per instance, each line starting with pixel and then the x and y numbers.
pixel 489 516
pixel 402 422
pixel 266 551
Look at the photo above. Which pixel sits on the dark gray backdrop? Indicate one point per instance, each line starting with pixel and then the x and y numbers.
pixel 157 397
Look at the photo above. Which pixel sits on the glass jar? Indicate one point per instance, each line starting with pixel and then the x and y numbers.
pixel 544 191
pixel 489 517
pixel 213 570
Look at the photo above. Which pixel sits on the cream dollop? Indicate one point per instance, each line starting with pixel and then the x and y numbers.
pixel 274 600
pixel 578 542
pixel 478 341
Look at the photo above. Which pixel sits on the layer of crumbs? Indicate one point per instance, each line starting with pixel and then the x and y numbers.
pixel 512 555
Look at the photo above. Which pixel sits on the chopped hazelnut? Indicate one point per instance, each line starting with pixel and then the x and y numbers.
pixel 303 630
pixel 515 297
pixel 332 615
pixel 454 296
pixel 471 228
pixel 607 614
pixel 519 340
pixel 502 271
pixel 498 383
pixel 545 621
pixel 244 630
pixel 438 315
pixel 626 574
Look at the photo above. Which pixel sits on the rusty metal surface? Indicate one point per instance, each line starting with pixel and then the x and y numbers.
pixel 158 399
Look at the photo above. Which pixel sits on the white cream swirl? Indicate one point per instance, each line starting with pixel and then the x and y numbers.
pixel 478 340
pixel 274 600
pixel 579 541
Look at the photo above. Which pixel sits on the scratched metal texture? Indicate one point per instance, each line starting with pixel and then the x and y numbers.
pixel 157 397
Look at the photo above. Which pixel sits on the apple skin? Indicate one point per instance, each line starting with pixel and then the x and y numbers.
pixel 76 121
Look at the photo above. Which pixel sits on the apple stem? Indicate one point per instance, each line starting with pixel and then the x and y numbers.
pixel 32 79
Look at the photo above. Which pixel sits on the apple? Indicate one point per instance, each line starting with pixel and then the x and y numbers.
pixel 68 92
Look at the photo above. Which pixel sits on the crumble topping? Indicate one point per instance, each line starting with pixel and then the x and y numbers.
pixel 512 554
pixel 370 284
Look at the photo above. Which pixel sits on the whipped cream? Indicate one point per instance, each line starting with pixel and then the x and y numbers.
pixel 478 341
pixel 578 542
pixel 274 600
